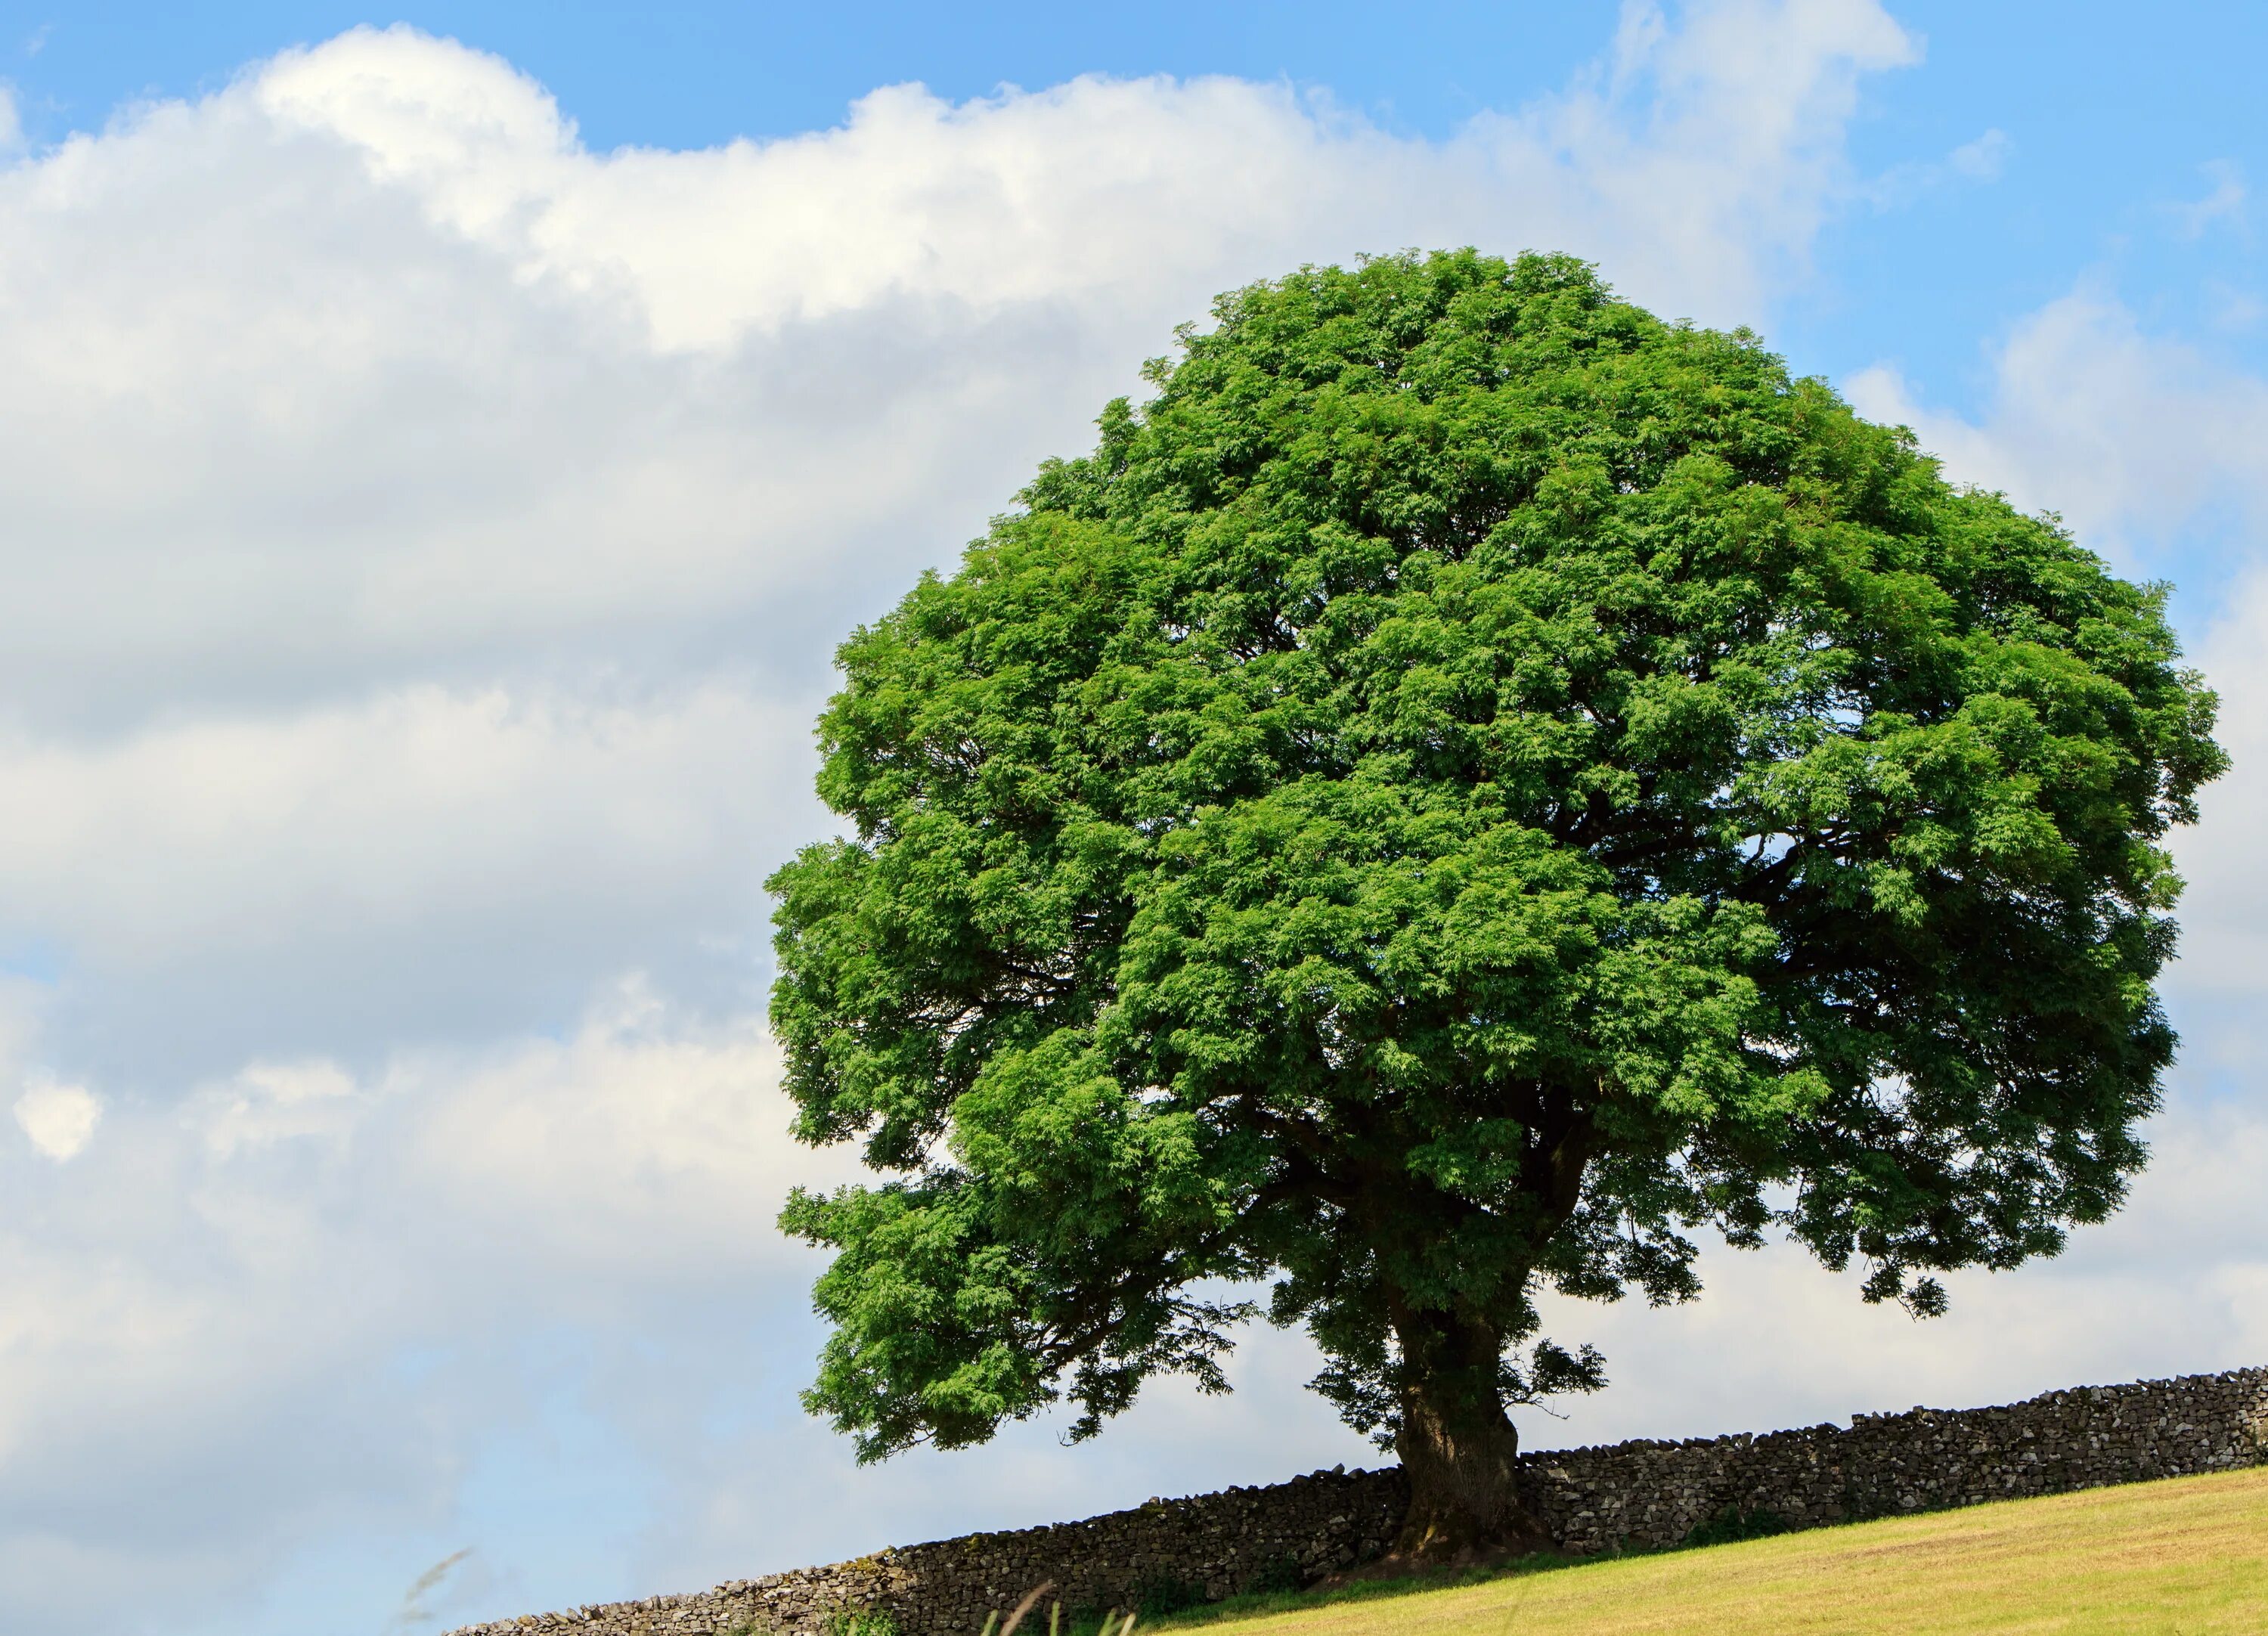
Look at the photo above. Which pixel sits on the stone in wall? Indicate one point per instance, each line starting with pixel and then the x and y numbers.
pixel 1628 1496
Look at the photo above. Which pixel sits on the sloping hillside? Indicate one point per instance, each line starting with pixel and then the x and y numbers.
pixel 2186 1555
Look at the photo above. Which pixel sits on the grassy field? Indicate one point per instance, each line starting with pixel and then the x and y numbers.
pixel 2180 1557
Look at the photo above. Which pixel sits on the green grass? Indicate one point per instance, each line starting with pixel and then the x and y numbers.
pixel 2187 1557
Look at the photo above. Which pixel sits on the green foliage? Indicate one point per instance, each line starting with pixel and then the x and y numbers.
pixel 1468 785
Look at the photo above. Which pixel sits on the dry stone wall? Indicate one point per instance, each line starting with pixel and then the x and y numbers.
pixel 1644 1494
pixel 1633 1495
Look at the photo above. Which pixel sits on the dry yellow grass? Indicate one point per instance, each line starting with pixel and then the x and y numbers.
pixel 2187 1557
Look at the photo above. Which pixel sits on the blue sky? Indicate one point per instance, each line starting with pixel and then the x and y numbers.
pixel 437 462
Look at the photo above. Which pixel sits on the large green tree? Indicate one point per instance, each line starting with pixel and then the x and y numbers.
pixel 1467 786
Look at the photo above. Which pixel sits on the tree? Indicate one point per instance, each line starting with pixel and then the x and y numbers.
pixel 1469 786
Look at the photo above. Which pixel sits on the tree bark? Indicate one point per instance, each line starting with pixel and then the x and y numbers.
pixel 1458 1445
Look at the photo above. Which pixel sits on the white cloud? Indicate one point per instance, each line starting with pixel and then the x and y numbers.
pixel 268 1255
pixel 2224 201
pixel 193 838
pixel 1983 159
pixel 422 861
pixel 1977 161
pixel 364 367
pixel 1974 162
pixel 2130 435
pixel 59 1119
pixel 2225 911
pixel 2235 311
pixel 1060 194
pixel 633 1144
pixel 267 1102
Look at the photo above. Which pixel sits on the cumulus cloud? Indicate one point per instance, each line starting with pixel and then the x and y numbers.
pixel 361 1260
pixel 1984 159
pixel 2225 949
pixel 407 378
pixel 1059 195
pixel 419 860
pixel 268 1103
pixel 1975 162
pixel 2133 436
pixel 2224 201
pixel 59 1120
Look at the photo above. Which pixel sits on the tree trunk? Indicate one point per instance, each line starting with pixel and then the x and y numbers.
pixel 1458 1445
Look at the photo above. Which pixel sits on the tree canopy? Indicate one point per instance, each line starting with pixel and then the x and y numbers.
pixel 1467 786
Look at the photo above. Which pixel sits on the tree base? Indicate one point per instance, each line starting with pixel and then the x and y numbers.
pixel 1457 1541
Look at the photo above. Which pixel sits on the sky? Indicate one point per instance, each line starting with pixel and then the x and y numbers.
pixel 438 453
